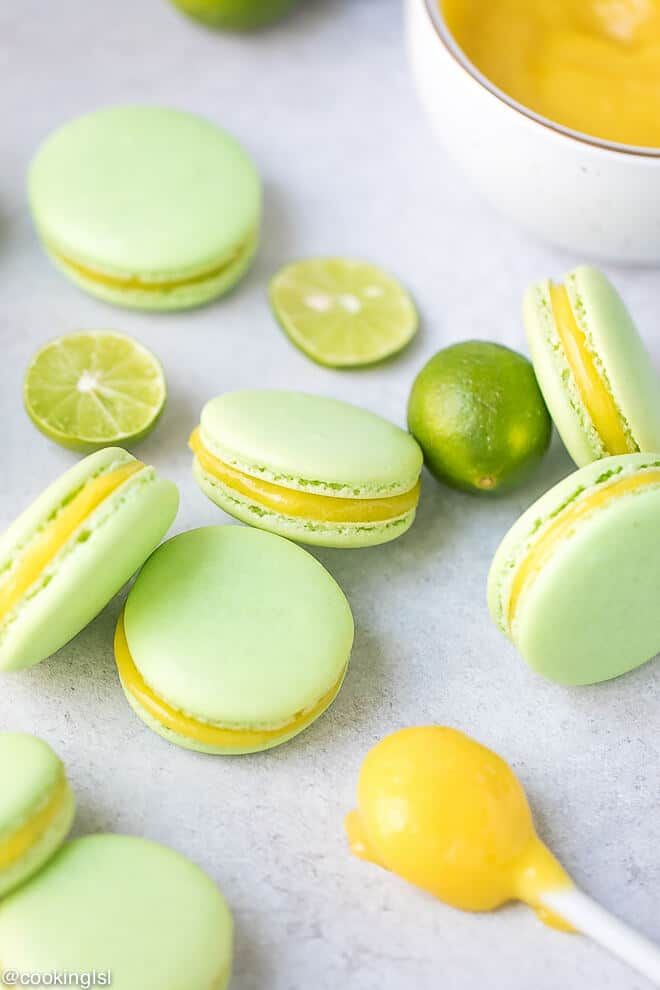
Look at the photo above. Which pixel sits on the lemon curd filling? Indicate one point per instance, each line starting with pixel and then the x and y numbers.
pixel 203 732
pixel 134 282
pixel 594 392
pixel 303 505
pixel 590 65
pixel 545 546
pixel 16 845
pixel 57 533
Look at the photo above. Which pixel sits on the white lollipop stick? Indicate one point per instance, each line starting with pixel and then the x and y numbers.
pixel 588 917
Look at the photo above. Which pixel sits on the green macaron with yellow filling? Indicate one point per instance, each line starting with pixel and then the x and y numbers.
pixel 123 911
pixel 146 207
pixel 313 469
pixel 232 640
pixel 74 548
pixel 574 583
pixel 592 366
pixel 36 807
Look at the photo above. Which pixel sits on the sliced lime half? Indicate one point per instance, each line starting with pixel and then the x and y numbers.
pixel 343 313
pixel 94 389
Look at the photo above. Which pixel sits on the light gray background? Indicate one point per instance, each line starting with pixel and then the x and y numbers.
pixel 325 104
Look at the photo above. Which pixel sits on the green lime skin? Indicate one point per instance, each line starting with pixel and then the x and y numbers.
pixel 478 414
pixel 235 15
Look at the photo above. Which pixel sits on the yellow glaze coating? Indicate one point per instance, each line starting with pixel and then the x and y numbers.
pixel 593 390
pixel 302 505
pixel 56 534
pixel 591 65
pixel 564 524
pixel 450 816
pixel 18 843
pixel 203 732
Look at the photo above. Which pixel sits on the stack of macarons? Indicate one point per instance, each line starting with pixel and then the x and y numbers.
pixel 99 905
pixel 573 583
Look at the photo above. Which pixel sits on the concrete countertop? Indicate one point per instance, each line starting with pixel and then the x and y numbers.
pixel 325 104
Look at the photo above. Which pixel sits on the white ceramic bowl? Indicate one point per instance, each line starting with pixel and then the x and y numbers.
pixel 592 197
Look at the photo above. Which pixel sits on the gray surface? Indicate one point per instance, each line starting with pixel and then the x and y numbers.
pixel 326 106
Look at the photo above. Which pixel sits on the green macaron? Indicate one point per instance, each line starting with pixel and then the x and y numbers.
pixel 36 807
pixel 313 469
pixel 232 640
pixel 592 366
pixel 71 551
pixel 146 207
pixel 574 583
pixel 136 914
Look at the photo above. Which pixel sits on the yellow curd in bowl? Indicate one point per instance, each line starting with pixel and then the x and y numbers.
pixel 590 65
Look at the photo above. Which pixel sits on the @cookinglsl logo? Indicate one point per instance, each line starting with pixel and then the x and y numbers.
pixel 55 978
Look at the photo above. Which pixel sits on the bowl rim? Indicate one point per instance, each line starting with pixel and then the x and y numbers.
pixel 437 21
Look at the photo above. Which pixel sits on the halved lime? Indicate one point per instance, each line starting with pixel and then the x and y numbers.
pixel 343 313
pixel 94 389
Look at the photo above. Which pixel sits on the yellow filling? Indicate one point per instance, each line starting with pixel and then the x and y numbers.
pixel 202 732
pixel 144 285
pixel 17 845
pixel 57 533
pixel 545 546
pixel 594 393
pixel 449 816
pixel 290 502
pixel 591 65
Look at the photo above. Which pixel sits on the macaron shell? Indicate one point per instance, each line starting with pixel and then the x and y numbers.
pixel 112 544
pixel 623 356
pixel 106 191
pixel 592 613
pixel 311 443
pixel 260 632
pixel 313 533
pixel 123 904
pixel 185 296
pixel 556 380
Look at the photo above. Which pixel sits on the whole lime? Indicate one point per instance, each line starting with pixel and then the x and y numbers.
pixel 236 15
pixel 478 414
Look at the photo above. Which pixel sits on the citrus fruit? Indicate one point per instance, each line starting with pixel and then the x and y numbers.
pixel 478 414
pixel 94 389
pixel 236 15
pixel 343 313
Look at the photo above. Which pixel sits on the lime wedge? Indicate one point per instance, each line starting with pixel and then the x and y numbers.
pixel 341 313
pixel 90 390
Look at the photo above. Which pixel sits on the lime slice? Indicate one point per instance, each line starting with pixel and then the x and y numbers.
pixel 341 313
pixel 90 390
